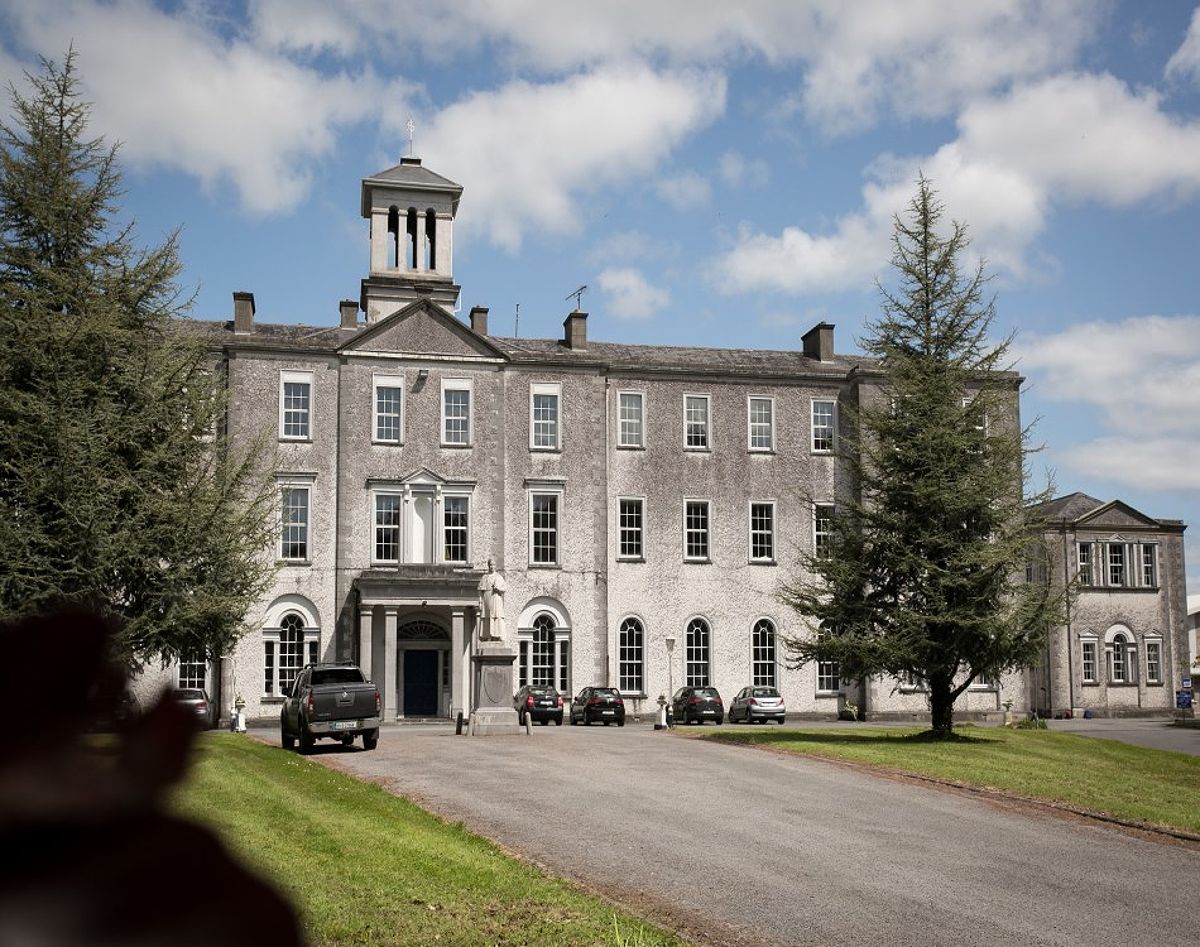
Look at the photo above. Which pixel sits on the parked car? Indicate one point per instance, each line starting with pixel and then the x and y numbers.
pixel 757 703
pixel 598 703
pixel 195 700
pixel 539 703
pixel 696 705
pixel 330 701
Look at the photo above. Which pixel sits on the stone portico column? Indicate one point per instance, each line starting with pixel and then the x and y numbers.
pixel 458 661
pixel 419 244
pixel 364 642
pixel 391 711
pixel 379 240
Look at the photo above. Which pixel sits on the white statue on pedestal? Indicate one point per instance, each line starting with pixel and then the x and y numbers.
pixel 491 605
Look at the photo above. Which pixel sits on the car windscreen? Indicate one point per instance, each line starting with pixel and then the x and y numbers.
pixel 605 692
pixel 764 692
pixel 188 693
pixel 707 692
pixel 337 676
pixel 543 692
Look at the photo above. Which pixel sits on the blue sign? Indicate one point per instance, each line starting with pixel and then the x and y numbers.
pixel 1186 684
pixel 1183 700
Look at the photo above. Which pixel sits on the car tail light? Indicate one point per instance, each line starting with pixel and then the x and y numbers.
pixel 529 700
pixel 620 703
pixel 310 703
pixel 559 704
pixel 754 702
pixel 378 702
pixel 693 700
pixel 593 702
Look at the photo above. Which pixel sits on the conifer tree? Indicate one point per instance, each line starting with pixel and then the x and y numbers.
pixel 924 575
pixel 118 490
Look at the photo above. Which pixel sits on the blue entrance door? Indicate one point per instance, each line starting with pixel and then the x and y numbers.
pixel 420 683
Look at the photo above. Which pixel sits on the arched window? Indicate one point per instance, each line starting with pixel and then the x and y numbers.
pixel 631 639
pixel 697 653
pixel 1118 656
pixel 291 650
pixel 542 666
pixel 762 657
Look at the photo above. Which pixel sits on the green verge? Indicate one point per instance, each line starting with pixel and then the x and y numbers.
pixel 366 867
pixel 1103 776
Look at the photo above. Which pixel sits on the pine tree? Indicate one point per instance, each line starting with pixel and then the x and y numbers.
pixel 924 575
pixel 118 490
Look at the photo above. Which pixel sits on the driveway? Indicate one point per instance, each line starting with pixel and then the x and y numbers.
pixel 1155 733
pixel 745 846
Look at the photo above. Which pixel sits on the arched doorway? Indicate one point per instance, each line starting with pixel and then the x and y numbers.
pixel 424 672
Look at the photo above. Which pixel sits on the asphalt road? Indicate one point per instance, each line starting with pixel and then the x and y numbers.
pixel 745 846
pixel 1156 733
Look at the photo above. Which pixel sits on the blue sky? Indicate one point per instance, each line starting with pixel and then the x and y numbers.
pixel 715 173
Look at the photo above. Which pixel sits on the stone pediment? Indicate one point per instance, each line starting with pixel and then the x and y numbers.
pixel 422 328
pixel 1115 516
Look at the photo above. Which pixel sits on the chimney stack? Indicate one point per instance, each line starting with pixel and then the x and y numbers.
pixel 348 309
pixel 243 313
pixel 575 330
pixel 818 342
pixel 479 319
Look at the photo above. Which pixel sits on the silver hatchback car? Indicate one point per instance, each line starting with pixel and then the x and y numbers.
pixel 757 703
pixel 197 702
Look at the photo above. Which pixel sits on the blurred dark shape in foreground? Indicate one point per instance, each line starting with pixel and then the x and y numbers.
pixel 90 854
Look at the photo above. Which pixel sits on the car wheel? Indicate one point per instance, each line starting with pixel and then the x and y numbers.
pixel 607 722
pixel 370 740
pixel 286 740
pixel 620 723
pixel 306 741
pixel 719 720
pixel 544 721
pixel 558 721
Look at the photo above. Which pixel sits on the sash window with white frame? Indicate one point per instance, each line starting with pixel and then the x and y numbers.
pixel 696 670
pixel 630 645
pixel 193 670
pixel 456 529
pixel 293 528
pixel 1149 566
pixel 456 412
pixel 388 426
pixel 695 528
pixel 761 433
pixel 695 416
pixel 1153 661
pixel 630 527
pixel 822 529
pixel 822 426
pixel 762 653
pixel 1088 662
pixel 545 509
pixel 388 512
pixel 295 406
pixel 286 649
pixel 762 531
pixel 544 422
pixel 631 419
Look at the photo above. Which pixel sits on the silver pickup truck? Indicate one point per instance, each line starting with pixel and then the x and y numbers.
pixel 332 702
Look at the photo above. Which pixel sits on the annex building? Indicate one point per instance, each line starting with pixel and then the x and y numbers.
pixel 642 503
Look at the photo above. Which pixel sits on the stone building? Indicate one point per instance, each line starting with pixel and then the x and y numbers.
pixel 1123 649
pixel 642 502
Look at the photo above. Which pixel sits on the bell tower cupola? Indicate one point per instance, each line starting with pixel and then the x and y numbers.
pixel 411 210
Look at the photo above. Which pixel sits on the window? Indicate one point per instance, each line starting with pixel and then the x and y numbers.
pixel 541 668
pixel 1037 565
pixel 295 405
pixel 388 426
pixel 695 416
pixel 543 416
pixel 631 529
pixel 695 529
pixel 911 681
pixel 696 668
pixel 822 427
pixel 285 651
pixel 293 538
pixel 455 528
pixel 762 654
pixel 456 412
pixel 1153 662
pixel 544 655
pixel 1149 566
pixel 630 645
pixel 388 507
pixel 1116 564
pixel 828 680
pixel 630 419
pixel 1084 554
pixel 762 532
pixel 762 424
pixel 193 670
pixel 1089 661
pixel 1118 658
pixel 822 529
pixel 543 529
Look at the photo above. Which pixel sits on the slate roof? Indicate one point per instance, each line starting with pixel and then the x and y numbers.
pixel 411 173
pixel 1069 508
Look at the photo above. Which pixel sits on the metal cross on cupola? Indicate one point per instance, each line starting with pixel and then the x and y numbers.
pixel 412 127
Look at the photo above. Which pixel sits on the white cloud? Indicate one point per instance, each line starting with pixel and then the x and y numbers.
pixel 1065 139
pixel 1185 63
pixel 685 191
pixel 1143 374
pixel 588 131
pixel 631 245
pixel 631 296
pixel 739 171
pixel 178 96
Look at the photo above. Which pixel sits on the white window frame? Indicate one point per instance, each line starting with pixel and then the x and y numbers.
pixel 295 482
pixel 310 650
pixel 750 531
pixel 185 670
pixel 817 509
pixel 708 432
pixel 632 443
pixel 302 378
pixel 1123 566
pixel 640 555
pixel 552 390
pixel 688 663
pixel 757 664
pixel 467 498
pixel 1148 571
pixel 1085 564
pixel 387 381
pixel 750 423
pixel 376 494
pixel 1084 642
pixel 459 384
pixel 1157 643
pixel 557 493
pixel 812 425
pixel 637 660
pixel 708 529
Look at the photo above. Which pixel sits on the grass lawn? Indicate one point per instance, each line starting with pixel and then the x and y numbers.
pixel 367 867
pixel 1105 776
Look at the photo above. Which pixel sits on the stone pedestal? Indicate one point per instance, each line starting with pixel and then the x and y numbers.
pixel 493 712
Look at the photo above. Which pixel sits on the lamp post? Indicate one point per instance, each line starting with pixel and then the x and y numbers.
pixel 670 667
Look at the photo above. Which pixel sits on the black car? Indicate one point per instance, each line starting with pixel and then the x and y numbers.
pixel 598 703
pixel 540 703
pixel 696 705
